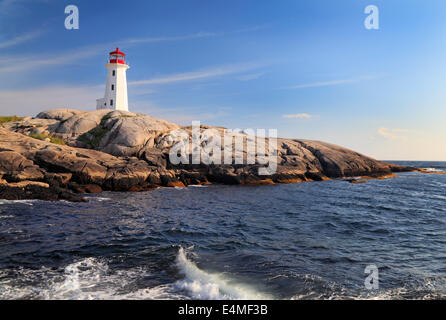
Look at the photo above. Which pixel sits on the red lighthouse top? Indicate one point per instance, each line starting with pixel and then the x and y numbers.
pixel 117 57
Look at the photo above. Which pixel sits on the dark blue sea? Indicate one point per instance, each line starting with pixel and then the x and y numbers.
pixel 299 241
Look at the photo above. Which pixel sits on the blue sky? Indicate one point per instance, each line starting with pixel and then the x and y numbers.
pixel 308 68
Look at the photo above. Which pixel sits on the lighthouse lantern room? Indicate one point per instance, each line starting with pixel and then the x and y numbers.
pixel 116 87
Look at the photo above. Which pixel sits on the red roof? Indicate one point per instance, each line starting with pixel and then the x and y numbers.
pixel 117 52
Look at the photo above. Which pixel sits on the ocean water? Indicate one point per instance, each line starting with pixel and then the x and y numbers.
pixel 299 241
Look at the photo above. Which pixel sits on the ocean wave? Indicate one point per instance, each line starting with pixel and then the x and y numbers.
pixel 204 285
pixel 427 289
pixel 87 279
pixel 28 202
pixel 92 279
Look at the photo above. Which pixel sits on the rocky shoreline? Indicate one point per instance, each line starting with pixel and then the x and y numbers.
pixel 62 154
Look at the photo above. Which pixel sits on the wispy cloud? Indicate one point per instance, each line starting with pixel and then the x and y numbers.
pixel 32 101
pixel 197 75
pixel 298 116
pixel 330 83
pixel 251 76
pixel 323 84
pixel 173 38
pixel 25 63
pixel 28 62
pixel 192 36
pixel 20 39
pixel 393 134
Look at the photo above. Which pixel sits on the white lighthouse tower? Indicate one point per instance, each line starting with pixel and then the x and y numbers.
pixel 116 86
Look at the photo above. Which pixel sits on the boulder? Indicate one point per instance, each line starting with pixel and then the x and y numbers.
pixel 80 123
pixel 127 133
pixel 58 114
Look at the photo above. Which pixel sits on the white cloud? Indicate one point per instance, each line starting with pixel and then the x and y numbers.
pixel 298 116
pixel 29 102
pixel 252 76
pixel 392 134
pixel 20 39
pixel 24 63
pixel 196 75
pixel 323 84
pixel 400 130
pixel 29 62
pixel 192 36
pixel 330 83
pixel 173 38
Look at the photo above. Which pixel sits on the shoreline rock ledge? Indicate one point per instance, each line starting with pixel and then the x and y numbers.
pixel 63 153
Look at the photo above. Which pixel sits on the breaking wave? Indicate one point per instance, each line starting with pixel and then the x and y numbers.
pixel 203 285
pixel 92 279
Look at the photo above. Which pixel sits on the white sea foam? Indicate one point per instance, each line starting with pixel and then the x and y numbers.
pixel 428 290
pixel 86 279
pixel 28 202
pixel 433 169
pixel 204 285
pixel 91 278
pixel 100 199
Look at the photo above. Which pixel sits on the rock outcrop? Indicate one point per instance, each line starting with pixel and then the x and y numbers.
pixel 123 151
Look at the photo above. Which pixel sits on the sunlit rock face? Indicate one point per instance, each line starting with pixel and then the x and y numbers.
pixel 123 151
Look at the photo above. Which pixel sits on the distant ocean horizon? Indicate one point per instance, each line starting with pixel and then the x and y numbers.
pixel 309 240
pixel 418 162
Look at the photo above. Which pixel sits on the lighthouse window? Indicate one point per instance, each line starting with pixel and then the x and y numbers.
pixel 113 73
pixel 113 87
pixel 111 102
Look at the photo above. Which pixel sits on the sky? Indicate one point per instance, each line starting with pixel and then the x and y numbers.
pixel 308 68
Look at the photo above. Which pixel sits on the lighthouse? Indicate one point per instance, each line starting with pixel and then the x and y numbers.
pixel 116 87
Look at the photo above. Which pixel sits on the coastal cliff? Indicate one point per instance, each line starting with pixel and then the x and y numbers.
pixel 63 153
